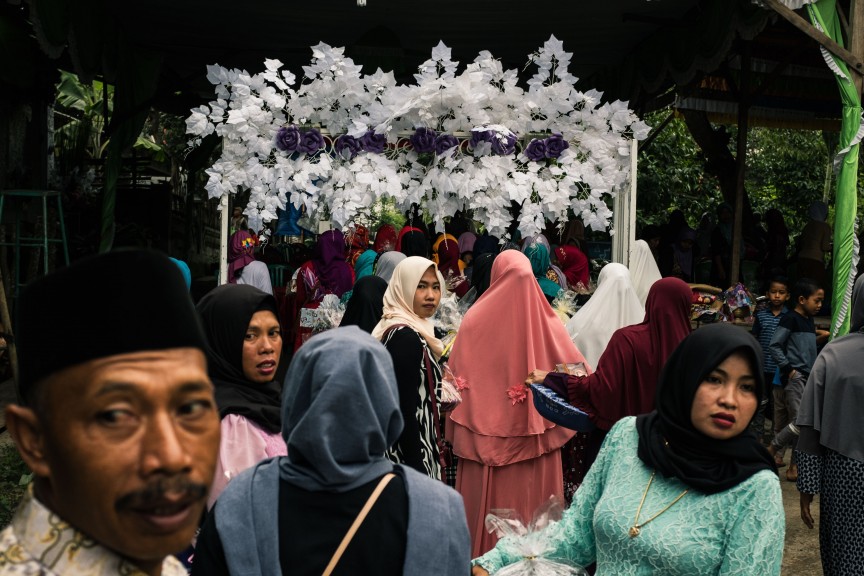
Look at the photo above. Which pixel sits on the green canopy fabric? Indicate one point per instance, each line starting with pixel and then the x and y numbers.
pixel 823 14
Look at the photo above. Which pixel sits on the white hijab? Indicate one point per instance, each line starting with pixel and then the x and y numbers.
pixel 612 306
pixel 399 301
pixel 643 269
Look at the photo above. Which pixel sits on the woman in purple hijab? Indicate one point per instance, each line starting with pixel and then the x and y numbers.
pixel 326 273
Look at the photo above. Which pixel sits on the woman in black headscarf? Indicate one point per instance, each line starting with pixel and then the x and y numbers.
pixel 244 342
pixel 366 305
pixel 289 514
pixel 686 489
pixel 414 243
pixel 481 277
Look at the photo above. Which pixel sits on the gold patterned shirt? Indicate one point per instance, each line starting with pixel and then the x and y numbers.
pixel 38 542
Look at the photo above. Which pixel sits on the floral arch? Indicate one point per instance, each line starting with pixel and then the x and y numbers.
pixel 471 140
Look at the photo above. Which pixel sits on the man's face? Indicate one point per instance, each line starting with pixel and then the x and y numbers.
pixel 130 449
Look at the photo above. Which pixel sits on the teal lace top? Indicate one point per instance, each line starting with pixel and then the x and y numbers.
pixel 739 531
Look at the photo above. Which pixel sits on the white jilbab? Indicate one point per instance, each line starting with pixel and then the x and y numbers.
pixel 613 305
pixel 643 269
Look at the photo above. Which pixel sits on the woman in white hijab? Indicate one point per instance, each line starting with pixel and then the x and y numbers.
pixel 406 330
pixel 643 269
pixel 613 305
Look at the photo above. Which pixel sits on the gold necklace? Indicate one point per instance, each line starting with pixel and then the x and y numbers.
pixel 636 529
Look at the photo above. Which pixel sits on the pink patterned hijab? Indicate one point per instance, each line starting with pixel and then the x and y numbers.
pixel 507 333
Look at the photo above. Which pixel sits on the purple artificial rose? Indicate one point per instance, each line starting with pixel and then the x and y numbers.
pixel 478 136
pixel 287 139
pixel 504 144
pixel 373 142
pixel 536 150
pixel 445 142
pixel 348 146
pixel 555 145
pixel 310 141
pixel 423 140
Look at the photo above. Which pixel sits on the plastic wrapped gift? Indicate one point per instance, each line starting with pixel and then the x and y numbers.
pixel 328 315
pixel 450 392
pixel 565 304
pixel 448 317
pixel 529 542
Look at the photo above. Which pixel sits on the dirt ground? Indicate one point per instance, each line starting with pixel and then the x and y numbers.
pixel 801 552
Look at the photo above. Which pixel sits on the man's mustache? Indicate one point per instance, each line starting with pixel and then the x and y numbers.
pixel 154 494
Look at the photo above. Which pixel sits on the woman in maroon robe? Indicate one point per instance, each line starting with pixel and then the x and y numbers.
pixel 625 380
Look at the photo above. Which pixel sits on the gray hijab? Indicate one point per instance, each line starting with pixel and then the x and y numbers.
pixel 340 412
pixel 387 263
pixel 856 322
pixel 833 400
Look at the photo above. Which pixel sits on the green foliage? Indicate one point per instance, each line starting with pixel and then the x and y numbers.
pixel 14 477
pixel 786 169
pixel 672 175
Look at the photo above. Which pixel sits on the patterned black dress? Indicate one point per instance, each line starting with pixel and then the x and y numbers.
pixel 417 446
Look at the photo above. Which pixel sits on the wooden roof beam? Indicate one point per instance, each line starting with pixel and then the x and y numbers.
pixel 789 15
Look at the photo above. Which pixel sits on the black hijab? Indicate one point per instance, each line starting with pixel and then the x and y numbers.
pixel 481 275
pixel 225 313
pixel 703 463
pixel 366 305
pixel 486 244
pixel 414 243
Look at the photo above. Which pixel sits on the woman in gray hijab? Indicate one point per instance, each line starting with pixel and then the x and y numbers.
pixel 831 447
pixel 288 515
pixel 386 263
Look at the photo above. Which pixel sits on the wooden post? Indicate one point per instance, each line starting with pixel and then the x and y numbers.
pixel 851 58
pixel 10 342
pixel 741 162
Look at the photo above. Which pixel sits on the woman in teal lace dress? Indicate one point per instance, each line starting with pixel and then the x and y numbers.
pixel 686 489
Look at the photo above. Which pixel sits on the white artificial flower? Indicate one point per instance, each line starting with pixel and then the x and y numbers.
pixel 249 110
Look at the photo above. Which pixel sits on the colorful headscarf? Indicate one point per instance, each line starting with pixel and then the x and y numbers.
pixel 385 239
pixel 466 242
pixel 329 261
pixel 357 242
pixel 444 238
pixel 574 264
pixel 364 263
pixel 539 258
pixel 240 253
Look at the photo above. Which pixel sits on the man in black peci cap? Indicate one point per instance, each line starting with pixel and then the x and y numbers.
pixel 118 423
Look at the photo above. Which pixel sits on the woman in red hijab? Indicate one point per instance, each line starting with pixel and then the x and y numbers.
pixel 450 266
pixel 574 264
pixel 385 239
pixel 625 380
pixel 509 455
pixel 357 242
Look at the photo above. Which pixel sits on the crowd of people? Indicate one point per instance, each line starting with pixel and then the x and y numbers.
pixel 704 254
pixel 166 437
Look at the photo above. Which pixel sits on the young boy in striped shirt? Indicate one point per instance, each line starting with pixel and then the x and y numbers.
pixel 764 325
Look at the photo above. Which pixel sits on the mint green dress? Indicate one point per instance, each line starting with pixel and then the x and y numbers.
pixel 739 531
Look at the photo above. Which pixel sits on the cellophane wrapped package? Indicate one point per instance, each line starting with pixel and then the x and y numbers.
pixel 529 542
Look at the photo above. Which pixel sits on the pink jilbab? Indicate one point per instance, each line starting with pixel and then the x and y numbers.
pixel 509 454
